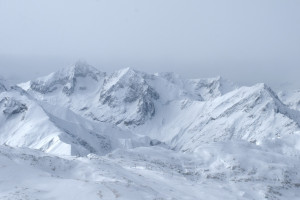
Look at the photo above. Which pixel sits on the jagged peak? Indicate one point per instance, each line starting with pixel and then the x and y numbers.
pixel 258 92
pixel 264 87
pixel 268 89
pixel 124 75
pixel 79 69
pixel 215 79
pixel 82 67
pixel 210 88
pixel 279 106
pixel 127 72
pixel 66 77
pixel 128 86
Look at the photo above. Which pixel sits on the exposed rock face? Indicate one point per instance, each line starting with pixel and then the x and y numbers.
pixel 66 79
pixel 252 113
pixel 12 106
pixel 126 97
pixel 184 113
pixel 240 142
pixel 127 87
pixel 26 122
pixel 212 88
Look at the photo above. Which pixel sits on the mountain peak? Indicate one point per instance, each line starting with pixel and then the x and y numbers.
pixel 82 66
pixel 124 75
pixel 210 88
pixel 265 87
pixel 79 69
pixel 127 89
pixel 128 71
pixel 66 77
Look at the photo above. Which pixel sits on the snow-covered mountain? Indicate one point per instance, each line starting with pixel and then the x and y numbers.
pixel 127 97
pixel 183 113
pixel 291 98
pixel 24 122
pixel 248 113
pixel 146 136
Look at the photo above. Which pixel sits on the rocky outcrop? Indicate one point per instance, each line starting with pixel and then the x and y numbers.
pixel 65 79
pixel 12 106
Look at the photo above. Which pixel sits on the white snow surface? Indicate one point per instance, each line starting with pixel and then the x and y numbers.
pixel 80 133
pixel 232 170
pixel 24 122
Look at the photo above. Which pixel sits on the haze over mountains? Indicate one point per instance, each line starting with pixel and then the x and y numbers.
pixel 187 138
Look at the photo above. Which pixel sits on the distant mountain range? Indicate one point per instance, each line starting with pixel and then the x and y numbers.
pixel 81 111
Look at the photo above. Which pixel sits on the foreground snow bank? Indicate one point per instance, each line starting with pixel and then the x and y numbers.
pixel 215 171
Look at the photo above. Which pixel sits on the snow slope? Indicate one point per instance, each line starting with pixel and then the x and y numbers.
pixel 215 171
pixel 24 122
pixel 248 113
pixel 126 97
pixel 183 113
pixel 80 133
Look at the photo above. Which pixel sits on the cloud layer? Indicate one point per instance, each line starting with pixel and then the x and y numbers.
pixel 247 41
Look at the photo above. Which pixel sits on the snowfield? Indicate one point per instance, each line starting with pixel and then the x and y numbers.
pixel 236 170
pixel 80 133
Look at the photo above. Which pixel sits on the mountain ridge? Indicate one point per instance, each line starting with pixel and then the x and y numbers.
pixel 134 135
pixel 177 111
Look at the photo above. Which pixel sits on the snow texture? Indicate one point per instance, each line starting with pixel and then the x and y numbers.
pixel 80 133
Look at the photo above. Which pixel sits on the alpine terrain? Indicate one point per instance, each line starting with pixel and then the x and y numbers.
pixel 80 133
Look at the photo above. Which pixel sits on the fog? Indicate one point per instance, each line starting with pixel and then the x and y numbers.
pixel 245 41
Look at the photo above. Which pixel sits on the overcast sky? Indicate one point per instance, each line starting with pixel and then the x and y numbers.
pixel 247 41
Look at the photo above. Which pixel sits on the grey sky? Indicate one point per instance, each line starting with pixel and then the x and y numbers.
pixel 246 41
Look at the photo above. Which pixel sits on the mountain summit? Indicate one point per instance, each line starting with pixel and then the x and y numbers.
pixel 66 79
pixel 183 113
pixel 82 133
